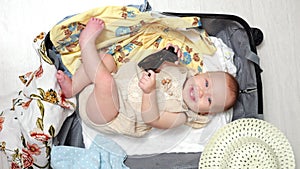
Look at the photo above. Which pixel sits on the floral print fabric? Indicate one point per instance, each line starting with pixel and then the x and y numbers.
pixel 34 118
pixel 130 35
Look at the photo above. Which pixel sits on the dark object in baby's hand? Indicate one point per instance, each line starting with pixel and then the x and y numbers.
pixel 155 60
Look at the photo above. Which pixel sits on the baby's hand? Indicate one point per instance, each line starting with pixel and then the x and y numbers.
pixel 176 50
pixel 148 83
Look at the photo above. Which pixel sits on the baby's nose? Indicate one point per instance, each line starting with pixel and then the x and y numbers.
pixel 201 93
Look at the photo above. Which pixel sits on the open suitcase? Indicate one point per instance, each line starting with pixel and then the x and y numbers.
pixel 243 39
pixel 236 34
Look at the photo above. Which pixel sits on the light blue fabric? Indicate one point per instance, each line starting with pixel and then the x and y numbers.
pixel 112 155
pixel 143 7
pixel 74 157
pixel 103 153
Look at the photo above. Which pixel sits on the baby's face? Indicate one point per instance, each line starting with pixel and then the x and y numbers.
pixel 206 92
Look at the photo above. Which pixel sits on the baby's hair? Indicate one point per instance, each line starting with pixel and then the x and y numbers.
pixel 233 86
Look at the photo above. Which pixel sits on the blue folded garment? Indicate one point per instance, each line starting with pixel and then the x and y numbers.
pixel 103 153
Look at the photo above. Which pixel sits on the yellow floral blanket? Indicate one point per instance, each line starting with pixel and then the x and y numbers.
pixel 131 35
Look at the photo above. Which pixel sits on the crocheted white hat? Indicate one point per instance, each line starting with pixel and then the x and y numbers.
pixel 248 143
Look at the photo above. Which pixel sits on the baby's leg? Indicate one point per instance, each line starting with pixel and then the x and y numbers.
pixel 70 87
pixel 109 62
pixel 102 105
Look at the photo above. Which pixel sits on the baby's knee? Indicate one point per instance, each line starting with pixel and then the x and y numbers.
pixel 109 62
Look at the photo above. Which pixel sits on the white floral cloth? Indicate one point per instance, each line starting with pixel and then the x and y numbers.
pixel 34 118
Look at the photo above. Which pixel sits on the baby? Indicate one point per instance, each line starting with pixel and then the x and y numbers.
pixel 131 101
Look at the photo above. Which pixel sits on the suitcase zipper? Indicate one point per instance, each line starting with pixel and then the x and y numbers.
pixel 248 90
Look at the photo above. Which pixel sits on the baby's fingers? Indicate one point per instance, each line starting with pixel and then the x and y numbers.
pixel 151 74
pixel 176 50
pixel 176 47
pixel 147 83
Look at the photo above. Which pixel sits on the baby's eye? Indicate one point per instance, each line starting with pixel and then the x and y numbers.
pixel 209 100
pixel 206 83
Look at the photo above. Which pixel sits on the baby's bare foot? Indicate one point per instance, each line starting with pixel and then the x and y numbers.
pixel 65 83
pixel 92 30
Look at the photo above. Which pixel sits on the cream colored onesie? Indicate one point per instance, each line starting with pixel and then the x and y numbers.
pixel 169 85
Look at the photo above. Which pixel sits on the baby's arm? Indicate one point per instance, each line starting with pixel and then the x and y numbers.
pixel 150 111
pixel 167 120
